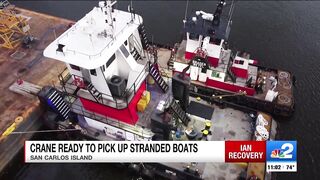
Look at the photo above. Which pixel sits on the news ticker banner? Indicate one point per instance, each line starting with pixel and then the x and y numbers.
pixel 280 156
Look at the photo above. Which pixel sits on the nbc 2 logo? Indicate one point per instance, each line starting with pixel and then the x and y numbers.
pixel 281 150
pixel 284 152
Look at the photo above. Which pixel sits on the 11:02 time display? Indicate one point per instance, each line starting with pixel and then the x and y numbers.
pixel 274 167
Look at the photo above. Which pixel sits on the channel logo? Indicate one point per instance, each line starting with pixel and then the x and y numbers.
pixel 277 154
pixel 281 151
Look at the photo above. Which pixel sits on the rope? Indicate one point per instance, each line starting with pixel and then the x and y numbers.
pixel 45 131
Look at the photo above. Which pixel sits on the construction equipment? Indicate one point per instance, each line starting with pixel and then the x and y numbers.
pixel 13 28
pixel 27 41
pixel 4 4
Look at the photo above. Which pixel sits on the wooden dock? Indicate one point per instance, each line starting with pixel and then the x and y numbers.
pixel 27 64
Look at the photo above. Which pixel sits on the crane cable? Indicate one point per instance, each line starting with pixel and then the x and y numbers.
pixel 6 134
pixel 45 131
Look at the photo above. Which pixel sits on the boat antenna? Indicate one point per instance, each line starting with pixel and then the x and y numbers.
pixel 232 6
pixel 185 14
pixel 130 9
pixel 231 10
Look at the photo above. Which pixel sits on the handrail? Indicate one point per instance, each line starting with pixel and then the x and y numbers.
pixel 107 46
pixel 105 119
pixel 116 104
pixel 135 41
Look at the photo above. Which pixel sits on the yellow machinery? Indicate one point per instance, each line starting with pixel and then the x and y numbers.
pixel 13 28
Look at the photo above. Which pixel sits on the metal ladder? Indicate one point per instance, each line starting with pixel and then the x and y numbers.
pixel 231 75
pixel 171 60
pixel 229 72
pixel 154 72
pixel 143 36
pixel 135 54
pixel 94 92
pixel 179 113
pixel 56 101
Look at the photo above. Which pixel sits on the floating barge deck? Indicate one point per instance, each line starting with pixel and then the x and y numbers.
pixel 227 124
pixel 29 65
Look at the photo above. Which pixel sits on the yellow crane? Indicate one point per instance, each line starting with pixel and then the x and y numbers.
pixel 13 28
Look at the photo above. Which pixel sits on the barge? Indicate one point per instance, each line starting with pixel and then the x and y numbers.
pixel 19 112
pixel 115 88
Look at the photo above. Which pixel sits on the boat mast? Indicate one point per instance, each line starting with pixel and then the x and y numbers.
pixel 231 12
pixel 185 14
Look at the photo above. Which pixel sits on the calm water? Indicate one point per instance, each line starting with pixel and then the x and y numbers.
pixel 284 35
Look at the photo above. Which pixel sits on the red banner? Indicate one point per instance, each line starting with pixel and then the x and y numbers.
pixel 245 151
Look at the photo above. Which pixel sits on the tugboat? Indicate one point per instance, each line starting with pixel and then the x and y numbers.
pixel 106 72
pixel 215 69
pixel 112 89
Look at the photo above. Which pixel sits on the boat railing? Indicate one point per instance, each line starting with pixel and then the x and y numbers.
pixel 136 130
pixel 137 44
pixel 69 85
pixel 99 54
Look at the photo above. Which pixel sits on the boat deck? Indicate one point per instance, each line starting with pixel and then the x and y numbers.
pixel 156 96
pixel 284 85
pixel 227 124
pixel 29 65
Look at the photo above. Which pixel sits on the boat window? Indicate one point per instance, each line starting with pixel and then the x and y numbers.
pixel 113 57
pixel 103 68
pixel 74 67
pixel 215 74
pixel 194 36
pixel 212 40
pixel 93 72
pixel 217 41
pixel 239 62
pixel 124 51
